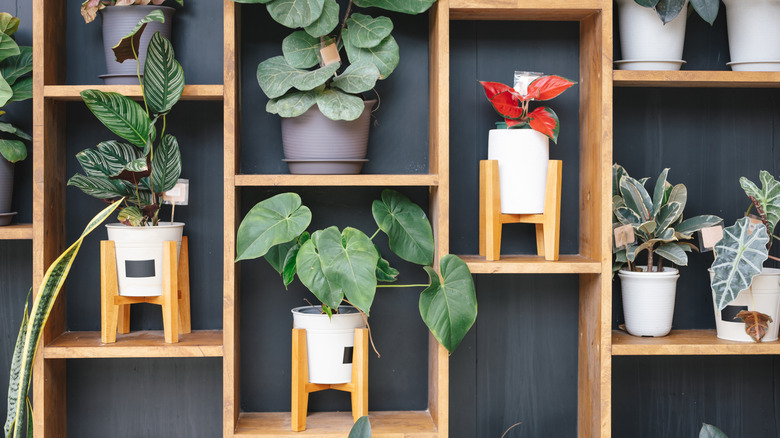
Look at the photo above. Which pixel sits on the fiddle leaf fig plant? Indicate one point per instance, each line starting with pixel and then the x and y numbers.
pixel 668 10
pixel 345 265
pixel 329 61
pixel 15 85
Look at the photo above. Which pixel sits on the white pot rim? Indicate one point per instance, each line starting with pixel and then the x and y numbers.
pixel 146 227
pixel 667 272
pixel 301 310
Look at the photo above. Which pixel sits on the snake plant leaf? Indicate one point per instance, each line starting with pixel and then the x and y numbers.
pixel 357 78
pixel 11 129
pixel 740 256
pixel 660 191
pixel 129 46
pixel 275 76
pixel 300 49
pixel 295 13
pixel 366 32
pixel 768 196
pixel 404 6
pixel 309 80
pixel 288 271
pixel 668 214
pixel 328 20
pixel 384 56
pixel 8 23
pixel 406 225
pixel 8 47
pixel 16 368
pixel 21 90
pixel 122 115
pixel 361 428
pixel 710 431
pixel 636 197
pixel 449 305
pixel 276 220
pixel 691 225
pixel 309 266
pixel 292 104
pixel 17 66
pixel 166 165
pixel 668 10
pixel 338 105
pixel 626 216
pixel 673 252
pixel 39 312
pixel 707 10
pixel 13 150
pixel 99 187
pixel 131 216
pixel 163 76
pixel 385 272
pixel 277 255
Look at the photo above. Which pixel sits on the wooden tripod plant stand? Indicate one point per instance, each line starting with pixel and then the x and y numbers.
pixel 491 220
pixel 175 298
pixel 301 387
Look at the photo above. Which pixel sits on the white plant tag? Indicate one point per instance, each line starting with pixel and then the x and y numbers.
pixel 623 236
pixel 179 194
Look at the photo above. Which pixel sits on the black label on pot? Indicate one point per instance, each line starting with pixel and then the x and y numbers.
pixel 347 355
pixel 139 268
pixel 729 313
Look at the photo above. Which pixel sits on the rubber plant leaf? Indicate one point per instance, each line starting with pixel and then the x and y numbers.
pixel 357 78
pixel 710 431
pixel 406 225
pixel 636 197
pixel 276 220
pixel 295 13
pixel 668 10
pixel 544 120
pixel 740 256
pixel 668 214
pixel 163 76
pixel 404 6
pixel 129 46
pixel 626 216
pixel 548 87
pixel 361 428
pixel 328 20
pixel 300 49
pixel 449 305
pixel 673 252
pixel 293 103
pixel 122 115
pixel 366 32
pixel 13 150
pixel 617 174
pixel 691 225
pixel 506 104
pixel 659 193
pixel 338 105
pixel 43 302
pixel 756 323
pixel 768 196
pixel 384 55
pixel 707 9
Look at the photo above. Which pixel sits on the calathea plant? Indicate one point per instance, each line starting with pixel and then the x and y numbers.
pixel 345 265
pixel 15 85
pixel 90 8
pixel 668 10
pixel 657 221
pixel 333 86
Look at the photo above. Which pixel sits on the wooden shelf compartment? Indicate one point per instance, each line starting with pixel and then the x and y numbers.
pixel 86 345
pixel 395 424
pixel 686 343
pixel 368 180
pixel 693 78
pixel 532 264
pixel 72 92
pixel 16 232
pixel 542 10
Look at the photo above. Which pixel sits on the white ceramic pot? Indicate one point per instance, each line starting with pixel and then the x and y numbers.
pixel 139 256
pixel 762 296
pixel 754 34
pixel 523 156
pixel 329 342
pixel 648 301
pixel 646 42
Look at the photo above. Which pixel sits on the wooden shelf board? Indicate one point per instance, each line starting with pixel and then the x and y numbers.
pixel 71 92
pixel 16 232
pixel 686 342
pixel 422 180
pixel 384 424
pixel 683 78
pixel 73 345
pixel 523 9
pixel 531 264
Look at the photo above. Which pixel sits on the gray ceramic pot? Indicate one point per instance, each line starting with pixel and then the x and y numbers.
pixel 6 185
pixel 118 21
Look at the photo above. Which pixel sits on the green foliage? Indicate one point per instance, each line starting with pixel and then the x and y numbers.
pixel 138 170
pixel 346 265
pixel 361 428
pixel 668 10
pixel 15 85
pixel 710 431
pixel 90 8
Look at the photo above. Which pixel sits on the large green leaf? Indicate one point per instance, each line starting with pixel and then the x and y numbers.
pixel 357 78
pixel 8 47
pixel 404 6
pixel 710 431
pixel 384 56
pixel 166 165
pixel 13 150
pixel 17 66
pixel 626 216
pixel 310 269
pixel 647 3
pixel 112 160
pixel 309 80
pixel 277 255
pixel 99 187
pixel 673 252
pixel 292 104
pixel 449 305
pixel 22 90
pixel 667 215
pixel 11 129
pixel 276 220
pixel 300 49
pixel 53 280
pixel 689 226
pixel 295 13
pixel 366 32
pixel 668 10
pixel 406 226
pixel 768 196
pixel 338 105
pixel 361 428
pixel 163 76
pixel 123 116
pixel 660 191
pixel 276 76
pixel 707 9
pixel 349 261
pixel 129 46
pixel 328 20
pixel 636 197
pixel 6 92
pixel 8 23
pixel 740 256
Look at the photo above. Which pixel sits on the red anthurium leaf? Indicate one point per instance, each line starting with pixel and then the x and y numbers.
pixel 510 123
pixel 506 105
pixel 756 323
pixel 545 120
pixel 548 87
pixel 494 88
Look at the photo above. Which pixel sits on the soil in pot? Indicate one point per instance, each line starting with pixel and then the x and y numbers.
pixel 648 300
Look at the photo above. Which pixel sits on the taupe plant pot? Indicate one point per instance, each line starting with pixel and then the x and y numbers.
pixel 6 190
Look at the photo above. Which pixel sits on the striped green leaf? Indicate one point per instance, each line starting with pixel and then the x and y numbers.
pixel 163 76
pixel 128 46
pixel 131 216
pixel 113 158
pixel 100 187
pixel 16 367
pixel 768 196
pixel 123 116
pixel 166 165
pixel 739 256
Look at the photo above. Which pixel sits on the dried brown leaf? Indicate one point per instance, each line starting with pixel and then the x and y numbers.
pixel 756 323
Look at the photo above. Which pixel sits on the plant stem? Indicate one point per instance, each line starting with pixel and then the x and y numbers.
pixel 402 285
pixel 344 23
pixel 650 259
pixel 375 233
pixel 774 258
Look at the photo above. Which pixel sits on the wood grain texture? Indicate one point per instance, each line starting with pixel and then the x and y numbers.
pixel 88 345
pixel 384 424
pixel 696 79
pixel 361 180
pixel 16 232
pixel 531 264
pixel 686 342
pixel 523 9
pixel 72 92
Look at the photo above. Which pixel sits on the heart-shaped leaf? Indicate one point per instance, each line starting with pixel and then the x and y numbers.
pixel 406 225
pixel 384 55
pixel 366 32
pixel 707 9
pixel 756 323
pixel 357 78
pixel 404 6
pixel 768 196
pixel 123 116
pixel 740 256
pixel 506 105
pixel 276 220
pixel 13 150
pixel 338 105
pixel 295 13
pixel 163 76
pixel 328 20
pixel 300 49
pixel 544 120
pixel 548 87
pixel 292 104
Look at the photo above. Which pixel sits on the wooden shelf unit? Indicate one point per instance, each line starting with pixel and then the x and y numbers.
pixel 362 180
pixel 686 343
pixel 16 232
pixel 401 424
pixel 531 264
pixel 72 92
pixel 87 345
pixel 696 79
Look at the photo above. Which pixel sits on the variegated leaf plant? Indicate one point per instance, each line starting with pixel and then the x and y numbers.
pixel 657 221
pixel 90 8
pixel 15 85
pixel 136 169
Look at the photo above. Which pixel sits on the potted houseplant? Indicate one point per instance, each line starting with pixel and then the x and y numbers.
pixel 344 268
pixel 742 288
pixel 119 18
pixel 15 85
pixel 754 36
pixel 140 168
pixel 325 119
pixel 658 225
pixel 521 142
pixel 652 32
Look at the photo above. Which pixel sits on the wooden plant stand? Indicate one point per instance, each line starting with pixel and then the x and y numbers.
pixel 358 387
pixel 491 220
pixel 175 298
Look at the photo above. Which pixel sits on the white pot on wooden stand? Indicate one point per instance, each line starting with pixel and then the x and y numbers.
pixel 754 34
pixel 762 296
pixel 646 42
pixel 523 156
pixel 139 256
pixel 648 300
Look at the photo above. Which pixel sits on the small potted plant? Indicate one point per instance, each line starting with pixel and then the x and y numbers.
pixel 754 36
pixel 659 228
pixel 521 142
pixel 325 119
pixel 120 17
pixel 140 168
pixel 741 287
pixel 15 86
pixel 343 269
pixel 652 32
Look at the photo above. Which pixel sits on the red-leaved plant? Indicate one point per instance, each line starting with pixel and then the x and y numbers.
pixel 512 105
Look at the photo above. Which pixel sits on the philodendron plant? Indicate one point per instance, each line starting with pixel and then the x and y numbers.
pixel 345 265
pixel 90 8
pixel 657 221
pixel 371 51
pixel 668 10
pixel 136 169
pixel 15 85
